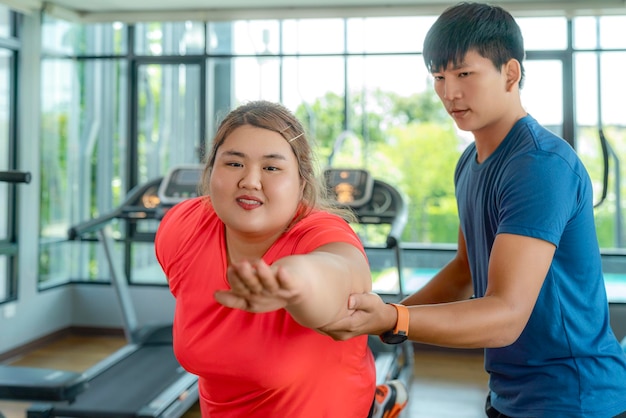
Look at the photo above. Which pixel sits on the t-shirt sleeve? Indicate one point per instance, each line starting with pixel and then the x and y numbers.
pixel 539 197
pixel 323 228
pixel 170 234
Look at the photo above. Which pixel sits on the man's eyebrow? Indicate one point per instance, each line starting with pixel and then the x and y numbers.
pixel 459 65
pixel 451 66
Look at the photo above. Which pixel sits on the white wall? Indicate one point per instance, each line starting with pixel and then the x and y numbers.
pixel 97 305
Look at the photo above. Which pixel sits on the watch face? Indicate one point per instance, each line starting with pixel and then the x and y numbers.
pixel 389 337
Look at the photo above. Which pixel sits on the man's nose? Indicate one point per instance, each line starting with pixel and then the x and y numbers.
pixel 450 89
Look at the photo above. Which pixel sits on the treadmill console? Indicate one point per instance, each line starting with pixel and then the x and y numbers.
pixel 349 186
pixel 181 182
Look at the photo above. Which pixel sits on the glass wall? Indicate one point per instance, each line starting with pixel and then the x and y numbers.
pixel 84 142
pixel 9 48
pixel 111 123
pixel 117 115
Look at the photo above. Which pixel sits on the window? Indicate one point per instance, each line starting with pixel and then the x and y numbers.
pixel 162 38
pixel 84 144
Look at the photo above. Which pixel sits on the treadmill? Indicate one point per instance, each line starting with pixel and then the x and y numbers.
pixel 143 378
pixel 374 202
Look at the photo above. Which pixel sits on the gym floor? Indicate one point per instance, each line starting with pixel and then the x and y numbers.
pixel 447 383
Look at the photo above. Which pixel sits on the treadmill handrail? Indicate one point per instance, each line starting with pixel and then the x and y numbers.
pixel 96 224
pixel 101 226
pixel 90 225
pixel 400 220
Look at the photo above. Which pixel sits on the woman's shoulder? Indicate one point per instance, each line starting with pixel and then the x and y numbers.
pixel 182 224
pixel 186 217
pixel 187 209
pixel 316 229
pixel 322 218
pixel 321 223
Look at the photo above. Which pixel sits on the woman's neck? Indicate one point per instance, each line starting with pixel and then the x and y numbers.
pixel 248 247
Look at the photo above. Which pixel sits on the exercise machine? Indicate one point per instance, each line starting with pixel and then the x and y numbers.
pixel 143 378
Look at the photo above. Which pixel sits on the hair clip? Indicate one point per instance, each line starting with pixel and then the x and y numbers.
pixel 295 137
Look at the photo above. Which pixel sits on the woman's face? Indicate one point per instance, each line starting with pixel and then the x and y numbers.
pixel 255 185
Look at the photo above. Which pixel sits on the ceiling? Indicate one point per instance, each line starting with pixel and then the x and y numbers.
pixel 213 10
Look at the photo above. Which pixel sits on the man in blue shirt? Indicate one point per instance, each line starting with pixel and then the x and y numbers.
pixel 526 283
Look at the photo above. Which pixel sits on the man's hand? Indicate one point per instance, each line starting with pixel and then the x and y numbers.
pixel 369 314
pixel 257 287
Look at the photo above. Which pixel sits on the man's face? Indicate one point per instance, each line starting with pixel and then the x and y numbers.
pixel 473 92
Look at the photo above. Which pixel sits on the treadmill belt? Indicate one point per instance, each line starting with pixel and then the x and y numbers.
pixel 126 387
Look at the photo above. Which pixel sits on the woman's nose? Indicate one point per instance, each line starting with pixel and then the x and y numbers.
pixel 251 180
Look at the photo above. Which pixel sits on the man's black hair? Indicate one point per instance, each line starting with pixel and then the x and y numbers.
pixel 489 30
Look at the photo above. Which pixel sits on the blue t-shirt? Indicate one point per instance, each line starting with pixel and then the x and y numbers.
pixel 567 362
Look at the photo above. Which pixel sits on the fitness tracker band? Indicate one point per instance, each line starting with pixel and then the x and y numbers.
pixel 401 331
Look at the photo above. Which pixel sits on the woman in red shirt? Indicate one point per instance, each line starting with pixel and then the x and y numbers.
pixel 262 223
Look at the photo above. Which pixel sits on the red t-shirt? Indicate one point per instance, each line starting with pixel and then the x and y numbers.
pixel 257 365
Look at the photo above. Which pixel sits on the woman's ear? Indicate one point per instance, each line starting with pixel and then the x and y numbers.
pixel 513 71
